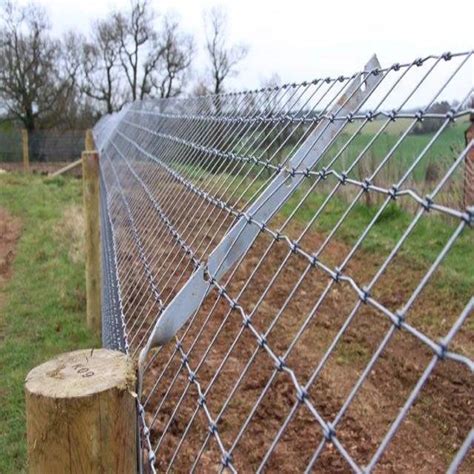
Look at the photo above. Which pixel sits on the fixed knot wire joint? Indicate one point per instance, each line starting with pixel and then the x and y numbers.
pixel 329 432
pixel 280 364
pixel 184 360
pixel 400 316
pixel 337 274
pixel 469 216
pixel 323 174
pixel 366 184
pixel 226 459
pixel 364 295
pixel 393 192
pixel 261 341
pixel 441 350
pixel 212 428
pixel 427 203
pixel 392 115
pixel 419 116
pixel 294 247
pixel 301 394
pixel 201 400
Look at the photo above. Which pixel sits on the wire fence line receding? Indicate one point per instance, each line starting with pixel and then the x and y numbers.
pixel 293 268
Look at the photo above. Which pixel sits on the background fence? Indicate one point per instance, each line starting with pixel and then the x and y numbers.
pixel 45 146
pixel 293 266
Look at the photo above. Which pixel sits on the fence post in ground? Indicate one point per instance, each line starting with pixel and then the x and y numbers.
pixel 469 168
pixel 81 414
pixel 90 180
pixel 26 150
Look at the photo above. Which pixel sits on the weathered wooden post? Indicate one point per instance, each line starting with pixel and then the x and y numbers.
pixel 81 414
pixel 26 150
pixel 469 168
pixel 90 180
pixel 90 145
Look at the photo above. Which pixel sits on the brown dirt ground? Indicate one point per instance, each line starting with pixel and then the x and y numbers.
pixel 10 229
pixel 429 436
pixel 427 439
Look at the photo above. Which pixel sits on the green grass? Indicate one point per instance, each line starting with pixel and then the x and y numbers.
pixel 423 245
pixel 44 309
pixel 426 240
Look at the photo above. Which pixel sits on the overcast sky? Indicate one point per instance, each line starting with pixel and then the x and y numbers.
pixel 303 39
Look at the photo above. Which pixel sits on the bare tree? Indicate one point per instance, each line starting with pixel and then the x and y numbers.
pixel 177 51
pixel 101 65
pixel 224 59
pixel 127 58
pixel 154 62
pixel 140 50
pixel 32 79
pixel 134 30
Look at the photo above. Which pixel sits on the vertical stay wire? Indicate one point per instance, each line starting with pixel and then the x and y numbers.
pixel 293 267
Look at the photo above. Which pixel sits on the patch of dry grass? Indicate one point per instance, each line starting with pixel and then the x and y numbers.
pixel 71 230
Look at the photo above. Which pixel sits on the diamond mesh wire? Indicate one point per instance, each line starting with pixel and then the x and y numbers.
pixel 294 267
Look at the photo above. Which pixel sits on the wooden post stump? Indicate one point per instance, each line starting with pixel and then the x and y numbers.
pixel 81 414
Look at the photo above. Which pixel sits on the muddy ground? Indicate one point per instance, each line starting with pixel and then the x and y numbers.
pixel 427 439
pixel 10 229
pixel 219 349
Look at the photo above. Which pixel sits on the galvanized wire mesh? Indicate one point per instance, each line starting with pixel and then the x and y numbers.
pixel 293 265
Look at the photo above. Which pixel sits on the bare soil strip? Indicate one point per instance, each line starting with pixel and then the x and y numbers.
pixel 10 230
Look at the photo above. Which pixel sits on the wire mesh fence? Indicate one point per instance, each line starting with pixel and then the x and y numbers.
pixel 293 268
pixel 56 145
pixel 44 146
pixel 10 146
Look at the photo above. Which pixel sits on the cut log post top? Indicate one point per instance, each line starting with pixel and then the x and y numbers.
pixel 81 414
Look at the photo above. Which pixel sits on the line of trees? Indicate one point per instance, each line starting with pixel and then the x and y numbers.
pixel 129 55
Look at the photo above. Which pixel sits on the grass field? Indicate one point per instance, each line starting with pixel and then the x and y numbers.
pixel 43 303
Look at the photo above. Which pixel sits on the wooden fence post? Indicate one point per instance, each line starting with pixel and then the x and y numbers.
pixel 90 180
pixel 81 414
pixel 26 150
pixel 469 168
pixel 90 145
